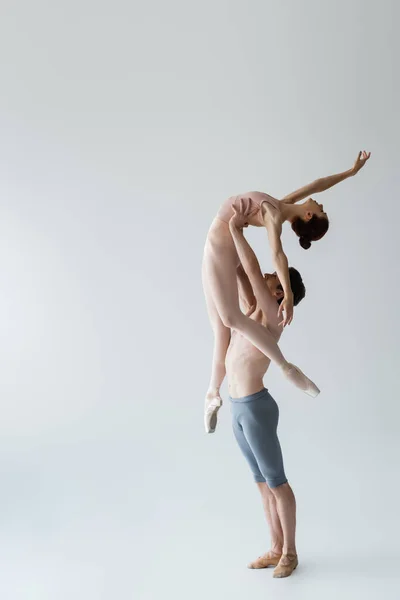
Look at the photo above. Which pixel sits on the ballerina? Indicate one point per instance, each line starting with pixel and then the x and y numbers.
pixel 220 261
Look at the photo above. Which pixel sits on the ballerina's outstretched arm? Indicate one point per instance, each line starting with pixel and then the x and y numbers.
pixel 273 225
pixel 324 183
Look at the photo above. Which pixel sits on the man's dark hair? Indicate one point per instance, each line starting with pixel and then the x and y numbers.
pixel 297 285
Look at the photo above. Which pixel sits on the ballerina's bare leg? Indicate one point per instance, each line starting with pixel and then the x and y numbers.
pixel 222 338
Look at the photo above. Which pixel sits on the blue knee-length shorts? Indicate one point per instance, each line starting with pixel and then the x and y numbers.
pixel 255 421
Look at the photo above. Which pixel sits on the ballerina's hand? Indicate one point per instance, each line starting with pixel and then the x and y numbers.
pixel 360 161
pixel 241 215
pixel 286 306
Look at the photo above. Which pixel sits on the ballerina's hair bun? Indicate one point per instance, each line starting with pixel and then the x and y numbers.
pixel 310 231
pixel 304 242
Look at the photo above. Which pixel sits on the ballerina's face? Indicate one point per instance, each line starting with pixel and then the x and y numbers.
pixel 313 208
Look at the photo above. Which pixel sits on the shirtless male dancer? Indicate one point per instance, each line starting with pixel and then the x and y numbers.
pixel 254 412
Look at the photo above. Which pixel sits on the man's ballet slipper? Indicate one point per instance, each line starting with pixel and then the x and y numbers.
pixel 300 380
pixel 266 560
pixel 210 414
pixel 286 565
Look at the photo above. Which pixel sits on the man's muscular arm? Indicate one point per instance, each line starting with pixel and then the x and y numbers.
pixel 246 295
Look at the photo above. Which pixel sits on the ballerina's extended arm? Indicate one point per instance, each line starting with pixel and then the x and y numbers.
pixel 273 226
pixel 324 183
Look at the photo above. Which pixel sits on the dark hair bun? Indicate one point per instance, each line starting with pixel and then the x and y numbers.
pixel 304 242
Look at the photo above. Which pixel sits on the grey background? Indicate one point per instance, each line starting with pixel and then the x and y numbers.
pixel 123 127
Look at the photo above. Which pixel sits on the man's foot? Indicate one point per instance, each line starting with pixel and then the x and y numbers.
pixel 212 406
pixel 286 565
pixel 270 559
pixel 300 380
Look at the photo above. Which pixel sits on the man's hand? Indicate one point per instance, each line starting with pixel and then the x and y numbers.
pixel 360 161
pixel 286 310
pixel 241 215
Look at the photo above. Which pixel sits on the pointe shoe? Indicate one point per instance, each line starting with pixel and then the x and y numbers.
pixel 286 565
pixel 210 413
pixel 266 560
pixel 301 381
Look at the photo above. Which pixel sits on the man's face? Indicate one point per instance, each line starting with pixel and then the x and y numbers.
pixel 274 285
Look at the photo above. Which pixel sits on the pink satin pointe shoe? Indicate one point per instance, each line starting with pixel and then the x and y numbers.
pixel 300 380
pixel 211 409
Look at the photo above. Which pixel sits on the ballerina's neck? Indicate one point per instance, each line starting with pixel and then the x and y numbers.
pixel 290 211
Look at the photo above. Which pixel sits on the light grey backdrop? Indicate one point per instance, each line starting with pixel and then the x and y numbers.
pixel 124 125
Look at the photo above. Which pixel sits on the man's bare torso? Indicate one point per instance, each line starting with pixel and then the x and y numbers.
pixel 245 365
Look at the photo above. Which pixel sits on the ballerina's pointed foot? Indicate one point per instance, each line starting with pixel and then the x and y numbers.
pixel 300 380
pixel 212 406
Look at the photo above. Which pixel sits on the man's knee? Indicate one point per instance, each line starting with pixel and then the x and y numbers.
pixel 265 489
pixel 280 490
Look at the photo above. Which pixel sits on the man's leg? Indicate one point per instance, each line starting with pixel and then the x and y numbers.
pixel 271 558
pixel 260 423
pixel 242 411
pixel 267 560
pixel 271 513
pixel 286 509
pixel 285 505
